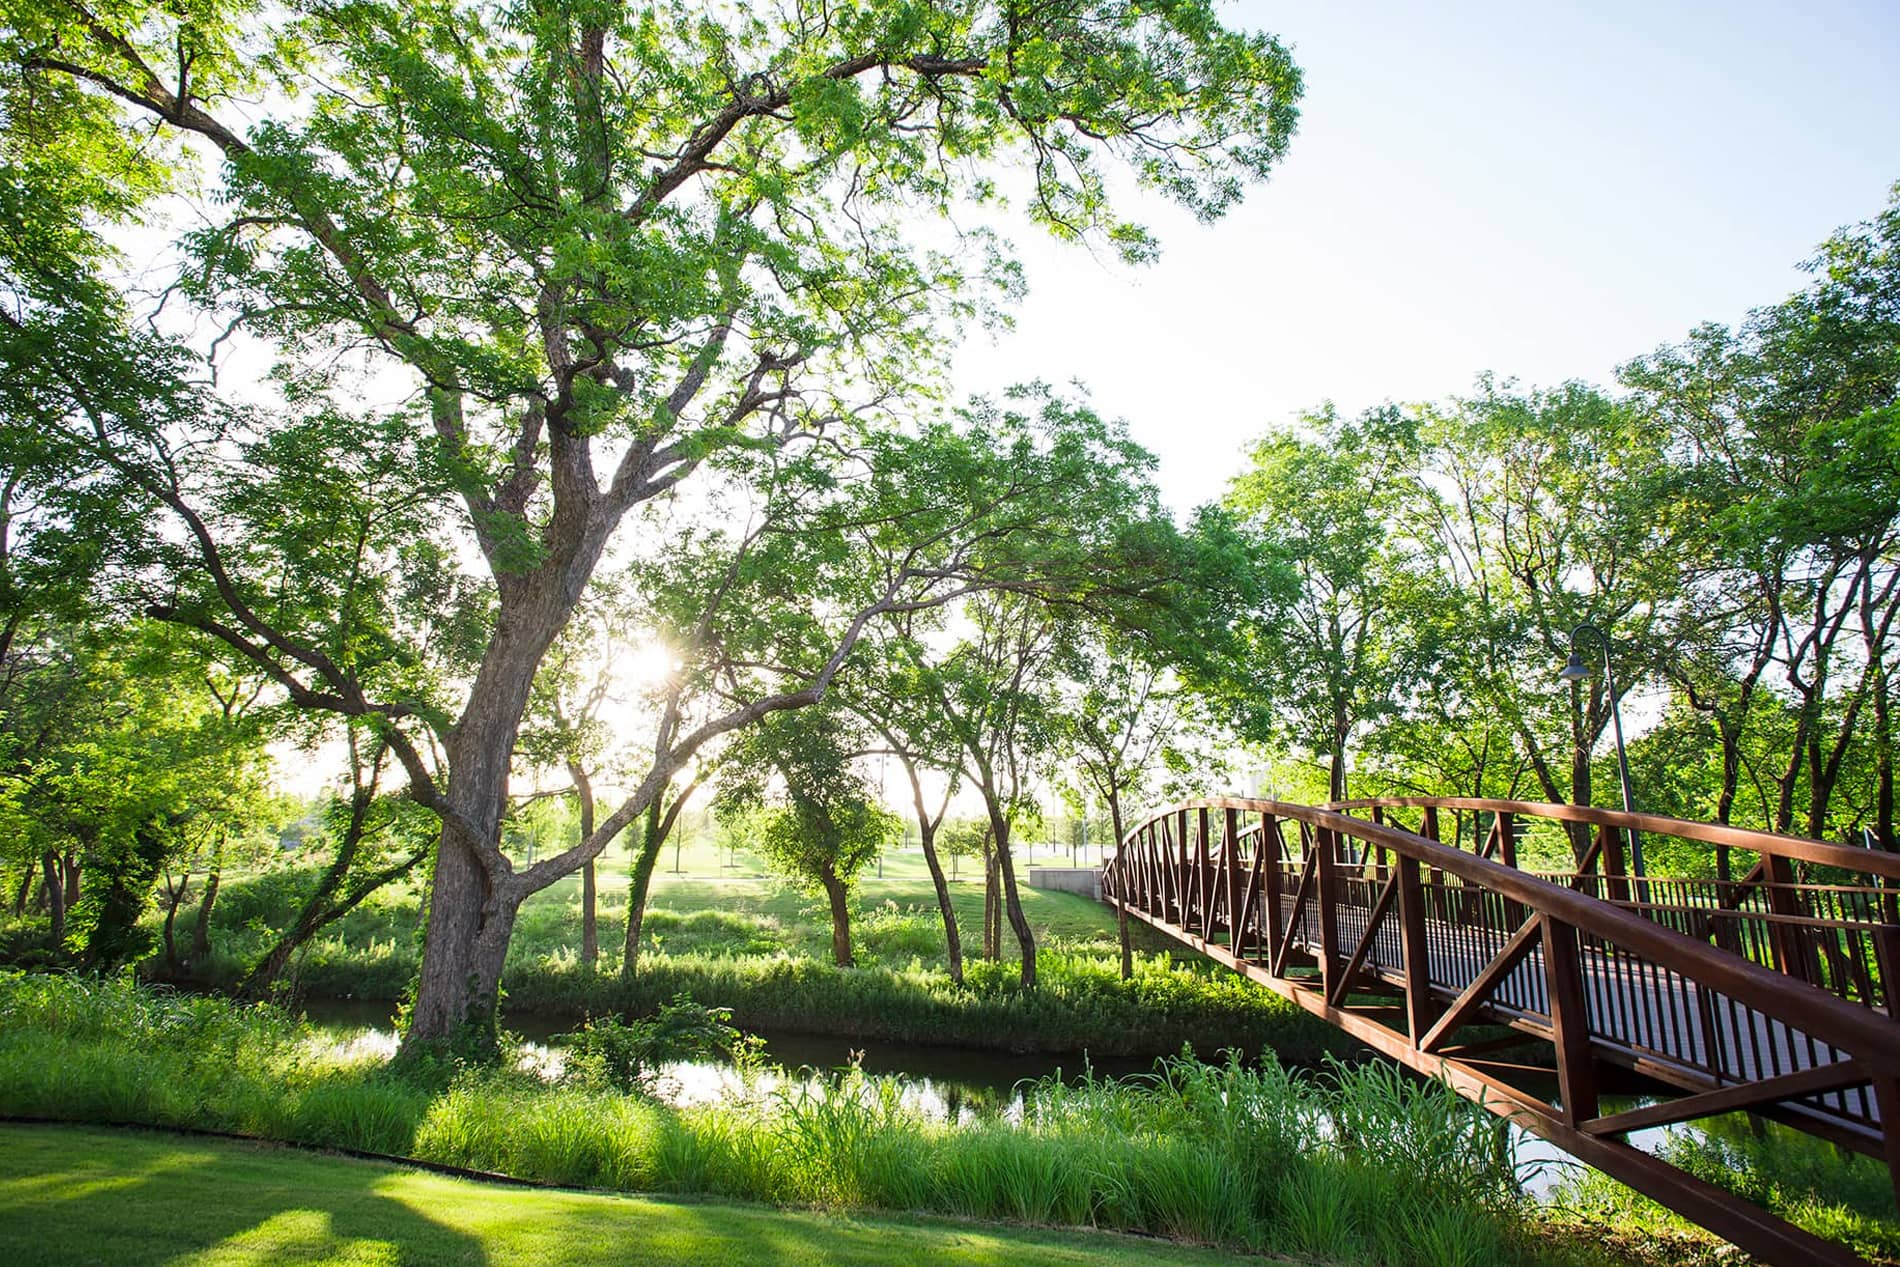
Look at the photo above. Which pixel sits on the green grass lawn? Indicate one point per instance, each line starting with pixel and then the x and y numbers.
pixel 732 938
pixel 707 909
pixel 79 1195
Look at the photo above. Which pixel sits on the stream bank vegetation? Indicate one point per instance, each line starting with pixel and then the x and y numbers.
pixel 1356 1164
pixel 761 950
pixel 1359 1164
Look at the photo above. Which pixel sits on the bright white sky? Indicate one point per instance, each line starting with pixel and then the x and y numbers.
pixel 1536 189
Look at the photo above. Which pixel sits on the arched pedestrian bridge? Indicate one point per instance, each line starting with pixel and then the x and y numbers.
pixel 1404 921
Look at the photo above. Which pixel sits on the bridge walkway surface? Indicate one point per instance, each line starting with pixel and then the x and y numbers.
pixel 1765 992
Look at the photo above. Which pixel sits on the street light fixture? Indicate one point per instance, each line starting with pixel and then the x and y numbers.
pixel 1577 671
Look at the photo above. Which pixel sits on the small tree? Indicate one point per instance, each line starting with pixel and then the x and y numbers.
pixel 816 818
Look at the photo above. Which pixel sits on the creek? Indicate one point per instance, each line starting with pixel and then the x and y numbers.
pixel 953 1084
pixel 945 1083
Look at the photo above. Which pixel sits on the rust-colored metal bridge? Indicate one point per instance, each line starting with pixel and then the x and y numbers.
pixel 1767 992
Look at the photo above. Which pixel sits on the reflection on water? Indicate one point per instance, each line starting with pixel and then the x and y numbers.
pixel 946 1084
pixel 951 1084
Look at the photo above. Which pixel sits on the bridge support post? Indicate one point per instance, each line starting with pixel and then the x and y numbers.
pixel 1324 840
pixel 1569 1023
pixel 1270 850
pixel 1887 1097
pixel 1128 948
pixel 1421 1009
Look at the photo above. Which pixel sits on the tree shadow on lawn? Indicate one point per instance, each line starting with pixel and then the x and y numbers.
pixel 129 1197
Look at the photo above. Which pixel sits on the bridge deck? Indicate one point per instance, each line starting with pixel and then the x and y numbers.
pixel 1767 995
pixel 1662 1021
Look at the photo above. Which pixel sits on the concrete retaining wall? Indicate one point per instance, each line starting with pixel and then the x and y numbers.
pixel 1084 880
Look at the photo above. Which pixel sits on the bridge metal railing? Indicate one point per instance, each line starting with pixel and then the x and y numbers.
pixel 1767 993
pixel 1827 914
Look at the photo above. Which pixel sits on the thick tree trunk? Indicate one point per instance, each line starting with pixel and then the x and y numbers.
pixel 470 922
pixel 70 884
pixel 471 916
pixel 840 899
pixel 25 890
pixel 474 898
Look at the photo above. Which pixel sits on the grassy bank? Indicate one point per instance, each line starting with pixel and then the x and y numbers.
pixel 77 1195
pixel 763 950
pixel 1829 1191
pixel 1363 1166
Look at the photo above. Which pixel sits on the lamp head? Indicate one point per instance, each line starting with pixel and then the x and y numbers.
pixel 1575 671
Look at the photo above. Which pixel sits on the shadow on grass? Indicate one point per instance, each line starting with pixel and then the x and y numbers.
pixel 127 1198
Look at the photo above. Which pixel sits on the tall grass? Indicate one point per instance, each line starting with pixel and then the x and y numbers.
pixel 1351 1165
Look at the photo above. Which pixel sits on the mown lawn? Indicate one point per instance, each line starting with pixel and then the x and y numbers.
pixel 78 1195
pixel 706 910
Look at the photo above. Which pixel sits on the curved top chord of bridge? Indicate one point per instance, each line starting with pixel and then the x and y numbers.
pixel 1768 993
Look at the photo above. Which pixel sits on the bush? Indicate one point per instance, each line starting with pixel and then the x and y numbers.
pixel 627 1054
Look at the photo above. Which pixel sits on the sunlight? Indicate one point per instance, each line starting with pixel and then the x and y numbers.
pixel 647 666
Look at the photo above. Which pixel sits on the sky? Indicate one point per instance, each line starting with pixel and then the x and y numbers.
pixel 1537 190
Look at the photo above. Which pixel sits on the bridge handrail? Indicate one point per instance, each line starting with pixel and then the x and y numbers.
pixel 1853 1029
pixel 1799 848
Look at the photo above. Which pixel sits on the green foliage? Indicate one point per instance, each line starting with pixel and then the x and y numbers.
pixel 121 752
pixel 628 1054
pixel 1235 1154
pixel 1835 1194
pixel 590 253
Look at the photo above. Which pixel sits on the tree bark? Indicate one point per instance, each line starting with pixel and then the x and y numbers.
pixel 840 899
pixel 1336 773
pixel 590 911
pixel 1883 764
pixel 1582 739
pixel 174 896
pixel 1012 900
pixel 658 827
pixel 952 939
pixel 927 836
pixel 639 883
pixel 470 921
pixel 201 928
pixel 992 924
pixel 54 893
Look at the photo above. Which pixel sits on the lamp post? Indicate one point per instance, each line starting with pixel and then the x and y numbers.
pixel 1577 671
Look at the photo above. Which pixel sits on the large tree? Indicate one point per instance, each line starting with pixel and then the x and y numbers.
pixel 1783 428
pixel 597 250
pixel 1331 497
